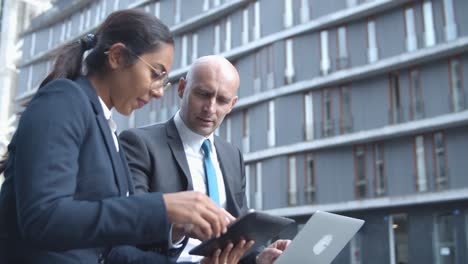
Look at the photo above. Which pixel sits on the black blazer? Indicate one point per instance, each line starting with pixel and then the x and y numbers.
pixel 63 199
pixel 158 163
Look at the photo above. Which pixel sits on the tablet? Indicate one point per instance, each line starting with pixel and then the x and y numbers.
pixel 256 226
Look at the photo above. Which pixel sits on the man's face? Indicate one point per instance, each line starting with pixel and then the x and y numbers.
pixel 207 98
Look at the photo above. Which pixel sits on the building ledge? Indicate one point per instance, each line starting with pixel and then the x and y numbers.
pixel 188 25
pixel 361 72
pixel 391 131
pixel 376 203
pixel 341 17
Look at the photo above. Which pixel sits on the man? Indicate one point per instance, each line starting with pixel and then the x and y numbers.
pixel 180 154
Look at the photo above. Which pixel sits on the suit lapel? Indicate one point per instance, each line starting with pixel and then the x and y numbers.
pixel 177 148
pixel 228 171
pixel 106 133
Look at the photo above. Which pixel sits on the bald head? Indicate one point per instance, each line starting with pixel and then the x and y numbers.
pixel 208 94
pixel 218 67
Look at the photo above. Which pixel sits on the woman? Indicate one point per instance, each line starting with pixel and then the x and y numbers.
pixel 67 191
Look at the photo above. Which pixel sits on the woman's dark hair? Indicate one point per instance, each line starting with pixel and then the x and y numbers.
pixel 139 31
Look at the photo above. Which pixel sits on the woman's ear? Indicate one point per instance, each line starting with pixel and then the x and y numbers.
pixel 117 56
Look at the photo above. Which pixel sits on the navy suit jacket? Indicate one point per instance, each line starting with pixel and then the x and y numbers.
pixel 63 199
pixel 158 163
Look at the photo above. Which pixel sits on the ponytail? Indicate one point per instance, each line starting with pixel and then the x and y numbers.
pixel 69 59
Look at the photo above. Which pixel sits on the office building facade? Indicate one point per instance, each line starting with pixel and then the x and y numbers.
pixel 348 106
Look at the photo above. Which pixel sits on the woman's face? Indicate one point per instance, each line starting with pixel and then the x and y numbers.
pixel 135 85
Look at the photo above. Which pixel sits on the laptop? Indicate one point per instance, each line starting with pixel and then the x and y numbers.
pixel 321 239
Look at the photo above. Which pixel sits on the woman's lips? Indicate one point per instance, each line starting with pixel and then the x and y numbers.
pixel 141 102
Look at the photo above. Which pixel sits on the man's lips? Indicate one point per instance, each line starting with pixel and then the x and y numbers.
pixel 205 120
pixel 141 102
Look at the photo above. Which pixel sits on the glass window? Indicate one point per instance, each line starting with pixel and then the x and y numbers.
pixel 372 51
pixel 310 179
pixel 411 39
pixel 417 103
pixel 157 9
pixel 440 161
pixel 309 116
pixel 247 186
pixel 346 117
pixel 288 14
pixel 183 55
pixel 379 170
pixel 194 47
pixel 258 187
pixel 457 92
pixel 206 5
pixel 324 53
pixel 396 113
pixel 257 25
pixel 398 235
pixel 228 130
pixel 304 11
pixel 270 69
pixel 327 114
pixel 177 9
pixel 271 124
pixel 257 72
pixel 292 192
pixel 246 131
pixel 217 36
pixel 450 25
pixel 227 45
pixel 429 33
pixel 289 71
pixel 421 177
pixel 343 60
pixel 245 26
pixel 444 238
pixel 361 180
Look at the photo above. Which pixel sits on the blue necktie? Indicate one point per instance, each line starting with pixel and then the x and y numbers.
pixel 211 180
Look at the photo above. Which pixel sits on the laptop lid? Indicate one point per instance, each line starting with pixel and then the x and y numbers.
pixel 321 239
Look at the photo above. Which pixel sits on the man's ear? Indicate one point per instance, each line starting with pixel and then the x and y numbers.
pixel 117 56
pixel 181 88
pixel 233 103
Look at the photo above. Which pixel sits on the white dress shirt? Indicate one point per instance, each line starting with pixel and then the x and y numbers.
pixel 192 143
pixel 110 122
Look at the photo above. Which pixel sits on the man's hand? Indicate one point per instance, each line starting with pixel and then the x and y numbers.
pixel 230 254
pixel 272 252
pixel 196 209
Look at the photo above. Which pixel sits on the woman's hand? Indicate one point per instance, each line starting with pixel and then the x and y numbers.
pixel 230 254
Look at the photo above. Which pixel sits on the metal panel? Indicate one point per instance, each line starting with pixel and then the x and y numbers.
pixel 289 119
pixel 306 56
pixel 321 8
pixel 268 11
pixel 245 68
pixel 357 41
pixel 399 166
pixel 334 183
pixel 435 87
pixel 456 142
pixel 258 116
pixel 370 103
pixel 390 30
pixel 274 174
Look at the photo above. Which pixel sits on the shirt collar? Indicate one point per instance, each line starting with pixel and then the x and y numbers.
pixel 107 111
pixel 189 138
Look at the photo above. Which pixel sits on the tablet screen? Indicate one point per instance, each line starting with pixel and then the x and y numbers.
pixel 256 226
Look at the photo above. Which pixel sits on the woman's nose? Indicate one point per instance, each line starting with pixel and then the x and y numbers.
pixel 157 93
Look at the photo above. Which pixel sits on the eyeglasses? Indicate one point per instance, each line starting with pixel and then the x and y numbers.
pixel 160 77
